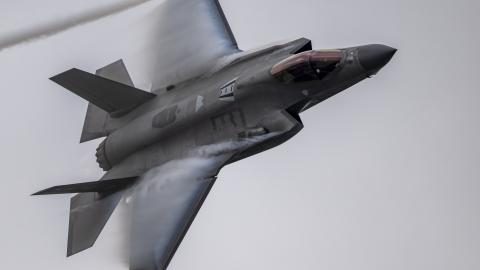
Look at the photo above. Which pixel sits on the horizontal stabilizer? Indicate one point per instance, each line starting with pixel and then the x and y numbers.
pixel 104 186
pixel 111 96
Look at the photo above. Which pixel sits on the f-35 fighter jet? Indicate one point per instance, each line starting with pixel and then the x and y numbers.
pixel 208 99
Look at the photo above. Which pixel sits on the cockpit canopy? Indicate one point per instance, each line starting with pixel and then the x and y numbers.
pixel 307 66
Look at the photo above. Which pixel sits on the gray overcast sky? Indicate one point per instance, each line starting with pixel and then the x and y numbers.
pixel 384 175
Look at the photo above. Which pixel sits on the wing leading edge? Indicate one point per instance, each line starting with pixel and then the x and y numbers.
pixel 168 198
pixel 226 25
pixel 166 201
pixel 183 39
pixel 161 219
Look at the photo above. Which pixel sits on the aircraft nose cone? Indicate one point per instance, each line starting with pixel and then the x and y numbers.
pixel 374 57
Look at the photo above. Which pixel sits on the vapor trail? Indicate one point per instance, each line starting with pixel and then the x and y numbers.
pixel 51 28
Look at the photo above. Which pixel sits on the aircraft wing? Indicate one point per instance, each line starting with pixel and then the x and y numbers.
pixel 181 39
pixel 164 205
pixel 167 198
pixel 164 200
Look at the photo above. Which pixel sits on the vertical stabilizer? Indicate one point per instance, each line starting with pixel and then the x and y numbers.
pixel 116 71
pixel 96 119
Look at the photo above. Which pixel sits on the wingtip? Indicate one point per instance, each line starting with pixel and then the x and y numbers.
pixel 70 252
pixel 47 191
pixel 41 192
pixel 55 78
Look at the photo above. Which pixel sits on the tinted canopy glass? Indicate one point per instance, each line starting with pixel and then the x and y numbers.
pixel 307 66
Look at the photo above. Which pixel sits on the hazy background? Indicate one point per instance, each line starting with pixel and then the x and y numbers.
pixel 384 175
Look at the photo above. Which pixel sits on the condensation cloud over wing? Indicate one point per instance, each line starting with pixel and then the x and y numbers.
pixel 181 39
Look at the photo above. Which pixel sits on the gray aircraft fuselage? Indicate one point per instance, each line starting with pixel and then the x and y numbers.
pixel 246 104
pixel 256 94
pixel 163 149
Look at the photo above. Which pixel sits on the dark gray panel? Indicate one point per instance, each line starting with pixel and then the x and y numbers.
pixel 104 186
pixel 111 96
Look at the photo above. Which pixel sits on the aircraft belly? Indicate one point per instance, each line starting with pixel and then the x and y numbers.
pixel 172 147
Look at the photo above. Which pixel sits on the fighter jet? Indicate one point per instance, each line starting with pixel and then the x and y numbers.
pixel 208 99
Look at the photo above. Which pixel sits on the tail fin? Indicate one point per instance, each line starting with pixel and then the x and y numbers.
pixel 110 92
pixel 90 210
pixel 95 124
